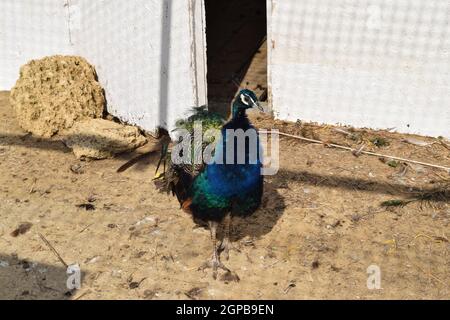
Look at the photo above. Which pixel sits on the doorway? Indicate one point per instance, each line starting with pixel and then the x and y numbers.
pixel 236 36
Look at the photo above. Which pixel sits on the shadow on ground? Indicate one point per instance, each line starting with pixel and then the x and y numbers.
pixel 264 219
pixel 349 183
pixel 23 279
pixel 279 180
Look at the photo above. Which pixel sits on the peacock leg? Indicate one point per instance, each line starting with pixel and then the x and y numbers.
pixel 214 263
pixel 226 244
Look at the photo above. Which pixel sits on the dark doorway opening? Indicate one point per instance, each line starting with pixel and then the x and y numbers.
pixel 236 33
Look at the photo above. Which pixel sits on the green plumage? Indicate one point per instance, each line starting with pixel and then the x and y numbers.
pixel 209 120
pixel 211 191
pixel 178 176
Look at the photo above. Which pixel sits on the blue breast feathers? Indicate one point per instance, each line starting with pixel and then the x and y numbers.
pixel 241 170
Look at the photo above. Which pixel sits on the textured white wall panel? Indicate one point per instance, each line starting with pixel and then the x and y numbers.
pixel 366 63
pixel 143 53
pixel 30 29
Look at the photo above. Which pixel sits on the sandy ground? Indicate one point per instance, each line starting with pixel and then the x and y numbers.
pixel 320 228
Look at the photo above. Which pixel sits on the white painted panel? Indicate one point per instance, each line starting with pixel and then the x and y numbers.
pixel 30 29
pixel 149 54
pixel 144 54
pixel 366 63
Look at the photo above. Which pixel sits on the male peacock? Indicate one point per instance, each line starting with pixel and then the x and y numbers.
pixel 221 189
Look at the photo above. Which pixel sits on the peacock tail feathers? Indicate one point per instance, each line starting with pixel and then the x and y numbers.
pixel 208 119
pixel 174 176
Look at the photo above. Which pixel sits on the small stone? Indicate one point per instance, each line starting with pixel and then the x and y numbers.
pixel 21 229
pixel 134 285
pixel 101 139
pixel 116 273
pixel 150 294
pixel 86 206
pixel 93 260
pixel 77 169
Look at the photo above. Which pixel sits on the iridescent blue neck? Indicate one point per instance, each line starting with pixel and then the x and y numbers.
pixel 238 110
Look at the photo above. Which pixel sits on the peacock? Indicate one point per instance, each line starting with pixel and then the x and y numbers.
pixel 220 189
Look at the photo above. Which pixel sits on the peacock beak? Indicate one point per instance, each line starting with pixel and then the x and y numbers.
pixel 257 105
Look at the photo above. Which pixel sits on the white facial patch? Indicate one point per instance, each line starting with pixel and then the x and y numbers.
pixel 244 100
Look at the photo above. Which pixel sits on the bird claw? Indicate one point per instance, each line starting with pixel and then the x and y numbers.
pixel 214 264
pixel 225 247
pixel 230 276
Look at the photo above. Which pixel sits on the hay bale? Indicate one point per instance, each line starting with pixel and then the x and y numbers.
pixel 100 139
pixel 55 92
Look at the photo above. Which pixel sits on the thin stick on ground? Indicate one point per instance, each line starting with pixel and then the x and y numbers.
pixel 430 275
pixel 53 250
pixel 360 151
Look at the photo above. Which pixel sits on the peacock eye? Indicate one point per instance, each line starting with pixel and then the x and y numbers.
pixel 245 99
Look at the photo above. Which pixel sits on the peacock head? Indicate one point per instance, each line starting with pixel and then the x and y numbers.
pixel 246 99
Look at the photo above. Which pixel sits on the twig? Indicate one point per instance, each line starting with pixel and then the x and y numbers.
pixel 358 152
pixel 445 145
pixel 289 287
pixel 342 131
pixel 429 274
pixel 83 294
pixel 436 239
pixel 53 250
pixel 363 152
pixel 32 190
pixel 85 228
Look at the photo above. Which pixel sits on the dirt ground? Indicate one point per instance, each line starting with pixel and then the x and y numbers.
pixel 320 227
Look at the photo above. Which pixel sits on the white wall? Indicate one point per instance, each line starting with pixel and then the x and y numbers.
pixel 366 63
pixel 30 29
pixel 144 56
pixel 145 52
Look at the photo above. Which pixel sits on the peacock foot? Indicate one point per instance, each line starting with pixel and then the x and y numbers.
pixel 225 247
pixel 215 265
